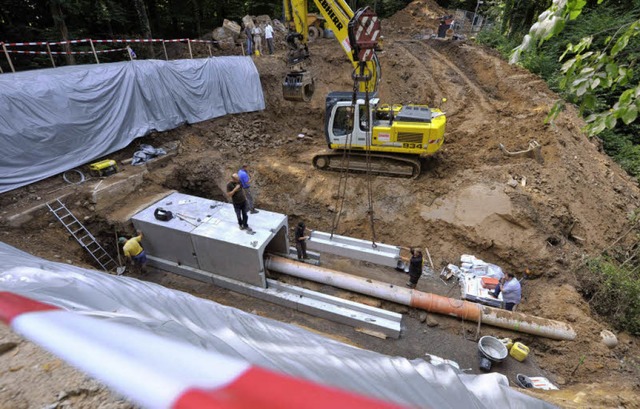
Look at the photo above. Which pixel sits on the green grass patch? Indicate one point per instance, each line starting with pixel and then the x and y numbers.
pixel 613 291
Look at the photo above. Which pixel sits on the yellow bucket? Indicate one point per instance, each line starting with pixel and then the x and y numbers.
pixel 519 351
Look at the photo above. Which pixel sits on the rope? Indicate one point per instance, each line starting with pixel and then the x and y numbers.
pixel 344 162
pixel 368 161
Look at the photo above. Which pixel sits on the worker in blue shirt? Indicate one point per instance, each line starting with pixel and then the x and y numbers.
pixel 245 181
pixel 511 291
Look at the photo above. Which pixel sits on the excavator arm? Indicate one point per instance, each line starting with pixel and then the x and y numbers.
pixel 357 33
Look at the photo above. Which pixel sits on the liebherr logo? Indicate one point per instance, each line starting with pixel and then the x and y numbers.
pixel 334 18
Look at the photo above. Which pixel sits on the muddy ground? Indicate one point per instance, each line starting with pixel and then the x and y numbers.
pixel 470 199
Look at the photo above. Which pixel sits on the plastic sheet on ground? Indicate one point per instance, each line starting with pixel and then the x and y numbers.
pixel 53 120
pixel 258 340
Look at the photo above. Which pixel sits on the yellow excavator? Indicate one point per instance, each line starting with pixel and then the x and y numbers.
pixel 362 134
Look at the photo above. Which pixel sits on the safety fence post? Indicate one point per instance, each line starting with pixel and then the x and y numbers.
pixel 209 46
pixel 94 51
pixel 164 47
pixel 189 44
pixel 6 53
pixel 53 63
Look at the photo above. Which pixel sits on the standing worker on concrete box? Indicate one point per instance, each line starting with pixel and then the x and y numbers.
pixel 257 39
pixel 245 181
pixel 301 241
pixel 268 35
pixel 236 194
pixel 415 268
pixel 134 252
pixel 511 291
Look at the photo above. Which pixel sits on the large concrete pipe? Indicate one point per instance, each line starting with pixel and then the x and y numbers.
pixel 430 302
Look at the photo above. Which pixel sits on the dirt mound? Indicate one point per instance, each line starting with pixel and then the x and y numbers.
pixel 419 17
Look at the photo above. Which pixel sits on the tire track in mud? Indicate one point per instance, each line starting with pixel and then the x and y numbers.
pixel 438 65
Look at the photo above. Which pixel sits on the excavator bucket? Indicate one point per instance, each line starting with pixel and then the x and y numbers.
pixel 298 86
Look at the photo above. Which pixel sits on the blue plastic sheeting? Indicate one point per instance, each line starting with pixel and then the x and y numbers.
pixel 53 120
pixel 260 341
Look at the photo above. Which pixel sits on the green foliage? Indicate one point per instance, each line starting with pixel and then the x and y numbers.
pixel 613 290
pixel 597 72
pixel 495 39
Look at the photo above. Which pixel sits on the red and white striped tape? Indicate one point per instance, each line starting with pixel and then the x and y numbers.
pixel 156 372
pixel 135 40
pixel 84 40
pixel 112 41
pixel 24 44
pixel 63 52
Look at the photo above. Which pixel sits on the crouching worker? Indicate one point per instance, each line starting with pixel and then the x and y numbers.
pixel 134 253
pixel 511 291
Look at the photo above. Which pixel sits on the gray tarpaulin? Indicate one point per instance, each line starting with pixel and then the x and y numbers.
pixel 53 120
pixel 258 340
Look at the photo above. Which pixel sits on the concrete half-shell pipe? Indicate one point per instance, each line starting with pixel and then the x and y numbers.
pixel 430 302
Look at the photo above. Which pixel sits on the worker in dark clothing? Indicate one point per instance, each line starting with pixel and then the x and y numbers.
pixel 301 241
pixel 236 194
pixel 415 268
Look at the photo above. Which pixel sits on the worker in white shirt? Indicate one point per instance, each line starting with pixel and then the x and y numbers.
pixel 268 35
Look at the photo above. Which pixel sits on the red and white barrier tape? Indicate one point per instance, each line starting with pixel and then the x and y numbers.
pixel 156 372
pixel 63 52
pixel 113 41
pixel 24 44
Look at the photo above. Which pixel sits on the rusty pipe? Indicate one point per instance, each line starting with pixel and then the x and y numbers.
pixel 429 302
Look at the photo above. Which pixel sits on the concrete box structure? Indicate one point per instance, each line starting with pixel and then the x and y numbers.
pixel 204 234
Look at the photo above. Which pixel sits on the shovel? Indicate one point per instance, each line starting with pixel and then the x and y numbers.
pixel 120 269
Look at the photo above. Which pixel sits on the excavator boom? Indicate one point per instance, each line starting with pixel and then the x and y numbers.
pixel 357 33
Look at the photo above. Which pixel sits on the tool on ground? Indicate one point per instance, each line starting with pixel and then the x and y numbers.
pixel 104 168
pixel 120 269
pixel 184 219
pixel 534 150
pixel 82 235
pixel 191 217
pixel 536 382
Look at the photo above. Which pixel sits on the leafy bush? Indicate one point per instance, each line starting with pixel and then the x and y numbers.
pixel 613 290
pixel 494 38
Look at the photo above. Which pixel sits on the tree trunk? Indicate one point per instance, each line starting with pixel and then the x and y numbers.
pixel 61 26
pixel 144 23
pixel 196 15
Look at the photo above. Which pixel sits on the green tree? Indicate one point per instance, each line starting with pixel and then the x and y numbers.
pixel 599 63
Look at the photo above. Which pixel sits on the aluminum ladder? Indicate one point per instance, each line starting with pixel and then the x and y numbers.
pixel 82 235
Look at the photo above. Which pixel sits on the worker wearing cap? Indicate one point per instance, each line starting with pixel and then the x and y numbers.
pixel 134 252
pixel 245 181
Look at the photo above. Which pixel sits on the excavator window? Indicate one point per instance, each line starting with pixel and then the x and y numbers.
pixel 364 123
pixel 342 121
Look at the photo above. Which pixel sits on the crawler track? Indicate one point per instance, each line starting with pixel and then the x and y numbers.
pixel 379 164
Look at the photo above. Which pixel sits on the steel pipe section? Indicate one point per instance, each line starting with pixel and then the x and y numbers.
pixel 429 302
